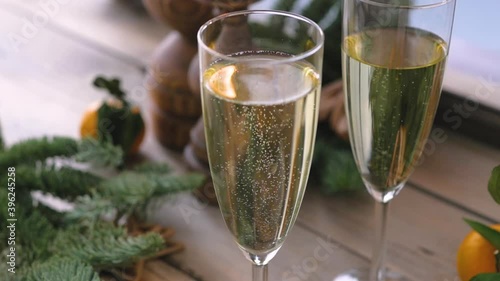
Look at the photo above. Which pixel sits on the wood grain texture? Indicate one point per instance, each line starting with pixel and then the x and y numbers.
pixel 212 253
pixel 423 233
pixel 459 170
pixel 157 270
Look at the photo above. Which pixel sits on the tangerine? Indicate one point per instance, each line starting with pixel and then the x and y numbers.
pixel 89 123
pixel 476 255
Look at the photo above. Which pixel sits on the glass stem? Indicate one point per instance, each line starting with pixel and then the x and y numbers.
pixel 379 248
pixel 259 272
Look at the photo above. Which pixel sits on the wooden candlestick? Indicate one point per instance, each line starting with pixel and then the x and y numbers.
pixel 175 110
pixel 184 16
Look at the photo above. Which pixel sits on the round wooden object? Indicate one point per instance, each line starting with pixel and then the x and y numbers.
pixel 229 5
pixel 234 37
pixel 175 110
pixel 167 77
pixel 171 131
pixel 185 16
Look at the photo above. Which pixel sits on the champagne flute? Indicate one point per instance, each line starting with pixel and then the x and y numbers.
pixel 260 84
pixel 393 60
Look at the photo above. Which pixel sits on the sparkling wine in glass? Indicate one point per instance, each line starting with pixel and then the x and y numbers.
pixel 393 55
pixel 260 84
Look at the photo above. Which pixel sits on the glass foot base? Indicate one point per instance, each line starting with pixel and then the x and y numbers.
pixel 364 275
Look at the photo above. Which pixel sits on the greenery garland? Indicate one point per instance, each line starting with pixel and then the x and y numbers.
pixel 61 269
pixel 333 167
pixel 78 244
pixel 33 150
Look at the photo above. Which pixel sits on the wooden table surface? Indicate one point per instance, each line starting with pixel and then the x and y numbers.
pixel 45 86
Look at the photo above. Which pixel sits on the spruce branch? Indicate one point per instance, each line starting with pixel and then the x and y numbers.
pixel 333 166
pixel 64 182
pixel 67 183
pixel 34 232
pixel 43 233
pixel 131 192
pixel 2 145
pixel 21 198
pixel 152 168
pixel 100 153
pixel 127 191
pixel 4 215
pixel 90 209
pixel 61 269
pixel 171 184
pixel 55 218
pixel 317 9
pixel 131 188
pixel 6 275
pixel 33 150
pixel 107 246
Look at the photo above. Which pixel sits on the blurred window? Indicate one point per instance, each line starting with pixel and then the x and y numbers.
pixel 473 69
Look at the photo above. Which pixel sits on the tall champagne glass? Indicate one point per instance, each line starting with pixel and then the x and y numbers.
pixel 393 55
pixel 260 84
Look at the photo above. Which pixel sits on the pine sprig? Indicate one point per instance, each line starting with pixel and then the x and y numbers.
pixel 316 9
pixel 65 182
pixel 152 168
pixel 62 269
pixel 333 167
pixel 34 232
pixel 129 186
pixel 107 246
pixel 100 153
pixel 90 209
pixel 131 189
pixel 23 199
pixel 55 218
pixel 328 14
pixel 128 191
pixel 171 184
pixel 32 150
pixel 2 144
pixel 131 192
pixel 43 234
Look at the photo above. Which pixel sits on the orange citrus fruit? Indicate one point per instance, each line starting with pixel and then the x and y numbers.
pixel 476 255
pixel 89 123
pixel 88 126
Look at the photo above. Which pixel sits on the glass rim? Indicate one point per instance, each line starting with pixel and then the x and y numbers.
pixel 304 54
pixel 421 6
